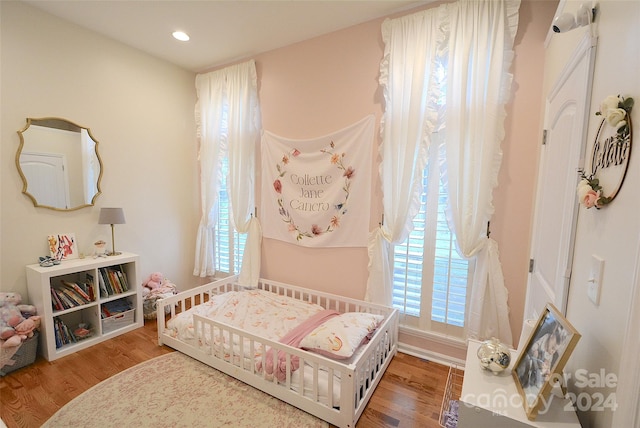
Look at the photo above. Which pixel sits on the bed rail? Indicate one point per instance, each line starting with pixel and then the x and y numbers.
pixel 326 300
pixel 192 297
pixel 311 387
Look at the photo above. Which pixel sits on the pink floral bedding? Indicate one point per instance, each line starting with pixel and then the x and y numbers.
pixel 267 315
pixel 259 312
pixel 293 338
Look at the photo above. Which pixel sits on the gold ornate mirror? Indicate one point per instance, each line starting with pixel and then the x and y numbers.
pixel 59 164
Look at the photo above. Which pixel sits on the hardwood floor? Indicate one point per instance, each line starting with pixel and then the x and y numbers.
pixel 409 394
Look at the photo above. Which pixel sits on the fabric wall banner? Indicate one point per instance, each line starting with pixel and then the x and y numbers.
pixel 317 192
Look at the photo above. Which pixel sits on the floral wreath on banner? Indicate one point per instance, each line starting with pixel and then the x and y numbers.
pixel 341 207
pixel 615 110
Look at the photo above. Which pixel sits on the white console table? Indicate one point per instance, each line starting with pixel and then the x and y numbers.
pixel 489 400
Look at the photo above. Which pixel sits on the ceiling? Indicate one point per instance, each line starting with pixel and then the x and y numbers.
pixel 221 31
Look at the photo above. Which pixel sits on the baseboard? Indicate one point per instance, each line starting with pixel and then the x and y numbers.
pixel 428 345
pixel 430 355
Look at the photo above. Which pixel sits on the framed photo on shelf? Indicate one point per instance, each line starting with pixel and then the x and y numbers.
pixel 63 246
pixel 539 365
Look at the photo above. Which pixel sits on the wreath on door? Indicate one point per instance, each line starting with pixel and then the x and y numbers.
pixel 610 154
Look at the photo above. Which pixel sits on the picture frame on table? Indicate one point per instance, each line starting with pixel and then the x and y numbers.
pixel 63 246
pixel 539 366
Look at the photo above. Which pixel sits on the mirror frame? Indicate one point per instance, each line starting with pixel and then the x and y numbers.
pixel 30 121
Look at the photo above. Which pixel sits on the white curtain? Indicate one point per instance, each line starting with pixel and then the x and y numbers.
pixel 480 52
pixel 228 123
pixel 244 134
pixel 210 124
pixel 472 40
pixel 406 69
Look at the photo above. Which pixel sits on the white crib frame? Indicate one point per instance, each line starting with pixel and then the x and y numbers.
pixel 359 377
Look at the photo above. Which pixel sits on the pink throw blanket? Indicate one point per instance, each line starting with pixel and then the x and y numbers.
pixel 293 338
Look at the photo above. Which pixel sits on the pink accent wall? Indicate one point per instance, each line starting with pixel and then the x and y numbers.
pixel 321 85
pixel 307 90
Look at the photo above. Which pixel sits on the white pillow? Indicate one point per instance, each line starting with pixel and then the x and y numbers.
pixel 340 336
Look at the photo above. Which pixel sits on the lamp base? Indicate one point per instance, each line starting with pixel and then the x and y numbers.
pixel 113 244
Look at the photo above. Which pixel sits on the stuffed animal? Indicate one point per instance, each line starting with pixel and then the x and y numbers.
pixel 10 317
pixel 16 299
pixel 151 295
pixel 24 330
pixel 154 281
pixel 17 321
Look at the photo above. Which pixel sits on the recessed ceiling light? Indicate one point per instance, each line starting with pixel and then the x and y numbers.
pixel 179 35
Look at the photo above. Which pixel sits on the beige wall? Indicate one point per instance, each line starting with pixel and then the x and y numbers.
pixel 140 109
pixel 613 232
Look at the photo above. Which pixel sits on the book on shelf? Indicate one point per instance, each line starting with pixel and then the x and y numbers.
pixel 103 287
pixel 56 329
pixel 78 289
pixel 113 279
pixel 65 301
pixel 88 288
pixel 63 334
pixel 123 278
pixel 90 284
pixel 68 334
pixel 67 294
pixel 75 297
pixel 115 282
pixel 55 301
pixel 104 281
pixel 120 278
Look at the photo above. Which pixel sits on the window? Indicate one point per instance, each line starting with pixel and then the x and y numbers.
pixel 229 244
pixel 430 277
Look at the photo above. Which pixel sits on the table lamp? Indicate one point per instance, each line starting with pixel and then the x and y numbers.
pixel 112 216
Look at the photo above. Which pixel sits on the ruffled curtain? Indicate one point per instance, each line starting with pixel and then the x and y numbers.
pixel 473 41
pixel 229 125
pixel 480 52
pixel 406 69
pixel 244 134
pixel 210 131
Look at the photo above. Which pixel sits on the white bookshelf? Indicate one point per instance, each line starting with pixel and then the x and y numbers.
pixel 40 280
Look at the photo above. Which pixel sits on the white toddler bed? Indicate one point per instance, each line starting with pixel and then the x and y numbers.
pixel 202 326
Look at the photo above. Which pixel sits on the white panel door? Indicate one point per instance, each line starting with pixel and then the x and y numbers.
pixel 46 178
pixel 556 206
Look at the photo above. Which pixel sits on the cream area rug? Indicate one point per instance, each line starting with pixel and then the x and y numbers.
pixel 175 390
